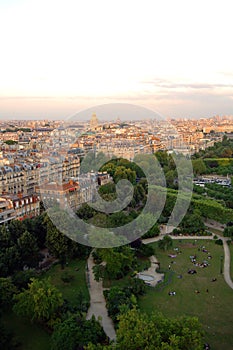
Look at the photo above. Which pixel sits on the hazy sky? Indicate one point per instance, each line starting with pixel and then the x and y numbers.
pixel 59 57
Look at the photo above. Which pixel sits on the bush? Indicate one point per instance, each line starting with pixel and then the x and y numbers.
pixel 145 250
pixel 219 241
pixel 97 258
pixel 137 286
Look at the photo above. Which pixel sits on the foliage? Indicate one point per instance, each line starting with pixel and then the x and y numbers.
pixel 199 166
pixel 98 271
pixel 28 250
pixel 75 332
pixel 153 232
pixel 219 241
pixel 165 243
pixel 137 286
pixel 156 332
pixel 192 223
pixel 145 251
pixel 7 291
pixel 228 231
pixel 22 278
pixel 86 212
pixel 118 261
pixel 11 142
pixel 40 302
pixel 119 300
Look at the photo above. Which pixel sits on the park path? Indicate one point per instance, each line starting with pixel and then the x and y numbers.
pixel 97 301
pixel 227 254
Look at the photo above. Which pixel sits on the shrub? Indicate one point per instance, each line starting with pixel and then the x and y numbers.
pixel 219 241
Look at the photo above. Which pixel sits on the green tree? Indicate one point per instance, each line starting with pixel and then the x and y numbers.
pixel 40 302
pixel 58 244
pixel 75 332
pixel 155 332
pixel 118 261
pixel 199 166
pixel 7 291
pixel 192 223
pixel 119 300
pixel 28 249
pixel 165 243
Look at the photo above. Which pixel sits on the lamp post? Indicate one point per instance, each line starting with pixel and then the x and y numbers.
pixel 221 263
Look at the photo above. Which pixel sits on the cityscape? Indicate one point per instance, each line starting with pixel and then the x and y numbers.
pixel 116 175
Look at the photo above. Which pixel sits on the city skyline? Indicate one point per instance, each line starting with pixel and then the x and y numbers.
pixel 61 58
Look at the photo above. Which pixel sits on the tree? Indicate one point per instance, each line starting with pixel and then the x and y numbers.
pixel 118 261
pixel 86 212
pixel 192 223
pixel 155 332
pixel 57 243
pixel 40 302
pixel 119 299
pixel 199 166
pixel 165 243
pixel 28 250
pixel 75 332
pixel 153 232
pixel 7 291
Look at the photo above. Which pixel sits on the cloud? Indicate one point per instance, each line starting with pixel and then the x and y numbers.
pixel 163 83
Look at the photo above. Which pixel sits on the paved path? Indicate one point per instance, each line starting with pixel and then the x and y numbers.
pixel 97 302
pixel 227 262
pixel 227 254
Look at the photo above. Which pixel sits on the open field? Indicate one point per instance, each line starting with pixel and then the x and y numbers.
pixel 70 290
pixel 30 336
pixel 213 307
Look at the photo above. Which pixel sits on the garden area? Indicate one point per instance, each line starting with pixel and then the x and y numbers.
pixel 203 293
pixel 71 283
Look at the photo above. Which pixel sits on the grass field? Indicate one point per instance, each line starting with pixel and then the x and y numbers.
pixel 214 308
pixel 33 337
pixel 70 290
pixel 30 336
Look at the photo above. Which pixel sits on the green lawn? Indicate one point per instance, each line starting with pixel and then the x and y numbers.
pixel 213 307
pixel 76 268
pixel 30 336
pixel 33 337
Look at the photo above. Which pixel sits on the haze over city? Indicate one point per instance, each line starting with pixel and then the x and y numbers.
pixel 59 58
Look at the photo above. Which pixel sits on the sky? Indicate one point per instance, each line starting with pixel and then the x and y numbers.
pixel 61 57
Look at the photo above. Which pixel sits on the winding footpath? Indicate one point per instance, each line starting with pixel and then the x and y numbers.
pixel 97 300
pixel 227 254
